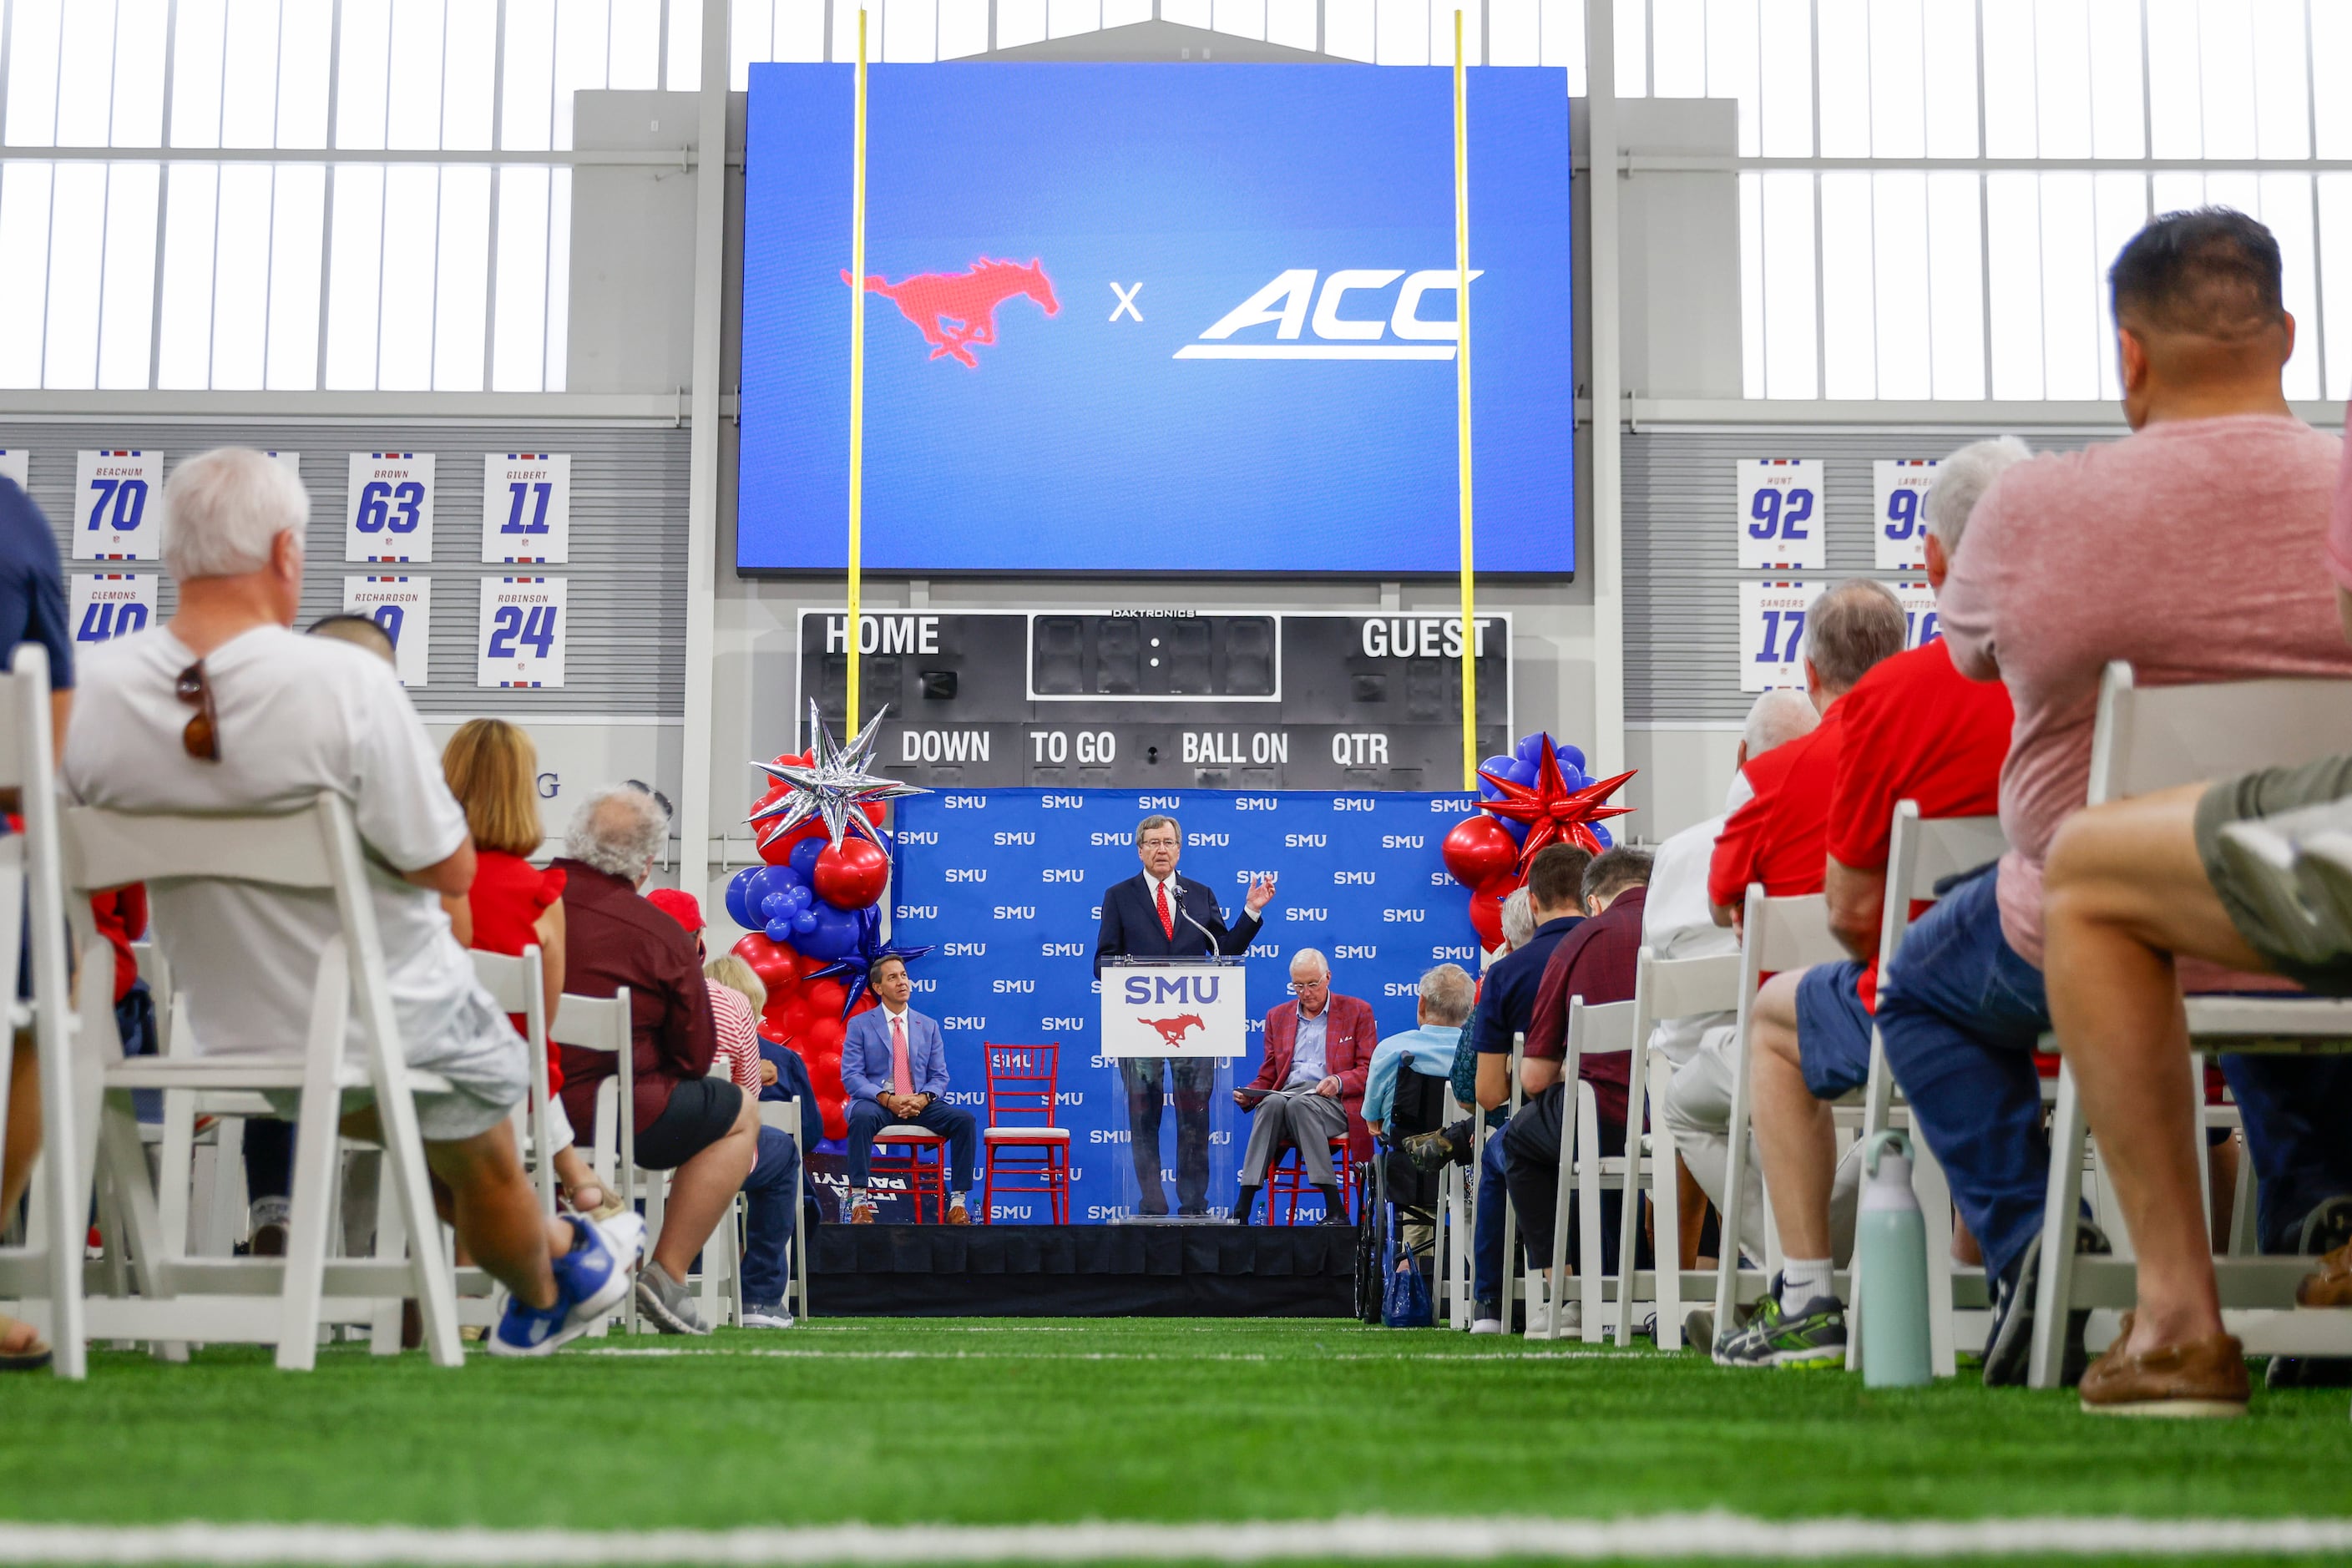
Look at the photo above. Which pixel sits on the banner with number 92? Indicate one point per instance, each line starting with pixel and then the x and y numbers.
pixel 1780 505
pixel 388 510
pixel 1773 634
pixel 523 624
pixel 403 606
pixel 527 508
pixel 118 506
pixel 1898 510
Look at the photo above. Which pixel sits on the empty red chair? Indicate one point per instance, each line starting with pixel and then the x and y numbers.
pixel 1025 1152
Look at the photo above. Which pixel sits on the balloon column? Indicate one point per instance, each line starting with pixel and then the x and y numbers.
pixel 1537 796
pixel 812 908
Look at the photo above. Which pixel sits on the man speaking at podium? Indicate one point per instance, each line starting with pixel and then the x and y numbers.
pixel 1161 915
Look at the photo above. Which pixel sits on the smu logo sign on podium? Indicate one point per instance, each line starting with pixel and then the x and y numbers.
pixel 1174 1010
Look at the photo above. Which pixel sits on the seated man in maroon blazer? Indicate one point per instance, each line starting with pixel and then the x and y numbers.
pixel 1311 1090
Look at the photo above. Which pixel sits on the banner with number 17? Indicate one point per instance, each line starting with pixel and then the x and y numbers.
pixel 527 508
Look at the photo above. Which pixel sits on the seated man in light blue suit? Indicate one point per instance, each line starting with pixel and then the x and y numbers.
pixel 894 1068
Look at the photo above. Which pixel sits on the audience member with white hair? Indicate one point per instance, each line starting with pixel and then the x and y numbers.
pixel 1446 994
pixel 1916 730
pixel 2072 560
pixel 224 708
pixel 1679 922
pixel 1310 1088
pixel 703 1130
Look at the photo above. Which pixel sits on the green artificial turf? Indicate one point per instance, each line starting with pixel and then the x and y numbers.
pixel 1005 1422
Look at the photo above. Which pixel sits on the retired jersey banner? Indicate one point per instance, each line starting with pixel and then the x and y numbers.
pixel 403 606
pixel 1164 317
pixel 118 506
pixel 388 514
pixel 1008 884
pixel 103 605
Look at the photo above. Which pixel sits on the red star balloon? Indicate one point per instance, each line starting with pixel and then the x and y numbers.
pixel 1554 813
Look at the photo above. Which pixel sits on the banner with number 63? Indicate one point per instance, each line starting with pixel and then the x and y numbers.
pixel 1780 522
pixel 523 623
pixel 388 511
pixel 1772 634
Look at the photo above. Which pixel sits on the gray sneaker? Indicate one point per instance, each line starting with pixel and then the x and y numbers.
pixel 2009 1349
pixel 667 1301
pixel 767 1315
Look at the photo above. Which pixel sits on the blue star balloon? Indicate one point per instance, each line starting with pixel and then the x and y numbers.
pixel 871 950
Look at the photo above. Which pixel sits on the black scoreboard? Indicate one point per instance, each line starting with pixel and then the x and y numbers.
pixel 1285 700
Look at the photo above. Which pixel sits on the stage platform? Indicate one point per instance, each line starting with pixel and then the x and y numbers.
pixel 1080 1272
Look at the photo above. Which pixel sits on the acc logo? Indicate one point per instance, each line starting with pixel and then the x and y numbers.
pixel 1302 840
pixel 1388 840
pixel 1356 952
pixel 1354 879
pixel 1016 838
pixel 918 912
pixel 1411 917
pixel 1403 334
pixel 956 310
pixel 967 873
pixel 965 950
pixel 1011 912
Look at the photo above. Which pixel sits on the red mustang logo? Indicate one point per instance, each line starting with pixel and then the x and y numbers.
pixel 1174 1030
pixel 956 309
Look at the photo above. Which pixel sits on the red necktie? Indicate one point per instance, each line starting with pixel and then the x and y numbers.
pixel 1167 917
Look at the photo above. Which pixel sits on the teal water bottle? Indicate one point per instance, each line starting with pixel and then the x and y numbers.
pixel 1890 1250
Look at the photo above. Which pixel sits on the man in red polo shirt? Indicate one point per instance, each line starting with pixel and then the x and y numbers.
pixel 1914 729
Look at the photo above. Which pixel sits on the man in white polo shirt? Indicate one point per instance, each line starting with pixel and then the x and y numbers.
pixel 224 708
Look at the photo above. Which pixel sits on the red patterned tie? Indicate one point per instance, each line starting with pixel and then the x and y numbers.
pixel 1166 916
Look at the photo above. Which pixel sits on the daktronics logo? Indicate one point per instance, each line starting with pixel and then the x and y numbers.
pixel 955 311
pixel 1402 333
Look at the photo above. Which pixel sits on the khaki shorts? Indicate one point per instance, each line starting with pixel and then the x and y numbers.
pixel 2263 914
pixel 488 1065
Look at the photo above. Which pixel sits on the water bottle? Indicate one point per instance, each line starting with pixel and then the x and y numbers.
pixel 1891 1267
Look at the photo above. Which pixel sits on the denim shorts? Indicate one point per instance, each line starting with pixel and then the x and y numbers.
pixel 1832 1030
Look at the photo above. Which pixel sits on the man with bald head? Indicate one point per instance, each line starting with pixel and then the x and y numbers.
pixel 2189 550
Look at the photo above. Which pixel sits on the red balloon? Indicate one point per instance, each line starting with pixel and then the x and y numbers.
pixel 824 997
pixel 772 962
pixel 1478 850
pixel 778 849
pixel 851 874
pixel 1487 915
pixel 824 1035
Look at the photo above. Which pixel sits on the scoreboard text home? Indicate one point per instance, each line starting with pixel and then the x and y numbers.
pixel 1285 700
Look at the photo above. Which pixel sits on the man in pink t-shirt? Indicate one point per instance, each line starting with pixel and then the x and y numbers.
pixel 2184 548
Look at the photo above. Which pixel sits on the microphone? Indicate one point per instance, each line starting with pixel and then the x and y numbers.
pixel 1214 951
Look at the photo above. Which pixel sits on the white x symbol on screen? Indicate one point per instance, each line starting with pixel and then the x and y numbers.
pixel 1125 306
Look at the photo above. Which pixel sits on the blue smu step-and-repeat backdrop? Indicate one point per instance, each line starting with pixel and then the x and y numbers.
pixel 1009 884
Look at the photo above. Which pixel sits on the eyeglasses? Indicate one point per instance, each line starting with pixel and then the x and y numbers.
pixel 200 739
pixel 1300 987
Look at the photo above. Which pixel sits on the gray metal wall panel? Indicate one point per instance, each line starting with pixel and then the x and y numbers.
pixel 1682 546
pixel 624 653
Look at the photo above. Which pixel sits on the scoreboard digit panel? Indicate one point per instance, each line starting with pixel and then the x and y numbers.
pixel 1134 699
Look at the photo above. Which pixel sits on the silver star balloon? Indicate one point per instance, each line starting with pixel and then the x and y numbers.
pixel 832 786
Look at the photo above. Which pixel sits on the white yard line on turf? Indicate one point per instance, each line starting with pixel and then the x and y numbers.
pixel 1707 1535
pixel 1111 1355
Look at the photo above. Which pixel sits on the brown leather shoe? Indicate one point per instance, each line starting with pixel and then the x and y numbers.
pixel 958 1214
pixel 861 1213
pixel 2205 1377
pixel 2329 1283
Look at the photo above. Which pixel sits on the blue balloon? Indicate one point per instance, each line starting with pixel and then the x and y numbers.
pixel 779 931
pixel 1601 833
pixel 831 932
pixel 782 879
pixel 1530 746
pixel 1571 756
pixel 804 922
pixel 1501 768
pixel 805 854
pixel 776 907
pixel 798 899
pixel 738 905
pixel 1518 771
pixel 1518 830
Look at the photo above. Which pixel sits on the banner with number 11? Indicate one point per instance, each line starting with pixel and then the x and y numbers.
pixel 527 508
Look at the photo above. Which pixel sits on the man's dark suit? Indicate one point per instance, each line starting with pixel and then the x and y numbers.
pixel 1130 927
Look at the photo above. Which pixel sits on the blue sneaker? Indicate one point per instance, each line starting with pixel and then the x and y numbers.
pixel 590 1281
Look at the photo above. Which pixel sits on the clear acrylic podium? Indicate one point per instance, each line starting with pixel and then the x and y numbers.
pixel 1171 1028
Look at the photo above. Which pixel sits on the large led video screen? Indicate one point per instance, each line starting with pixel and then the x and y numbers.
pixel 1189 318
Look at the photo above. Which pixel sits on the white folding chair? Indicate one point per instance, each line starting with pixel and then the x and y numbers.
pixel 1777 934
pixel 518 984
pixel 1514 1280
pixel 1592 1030
pixel 1920 852
pixel 45 1273
pixel 2150 739
pixel 601 1024
pixel 1664 989
pixel 313 850
pixel 1457 1188
pixel 786 1115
